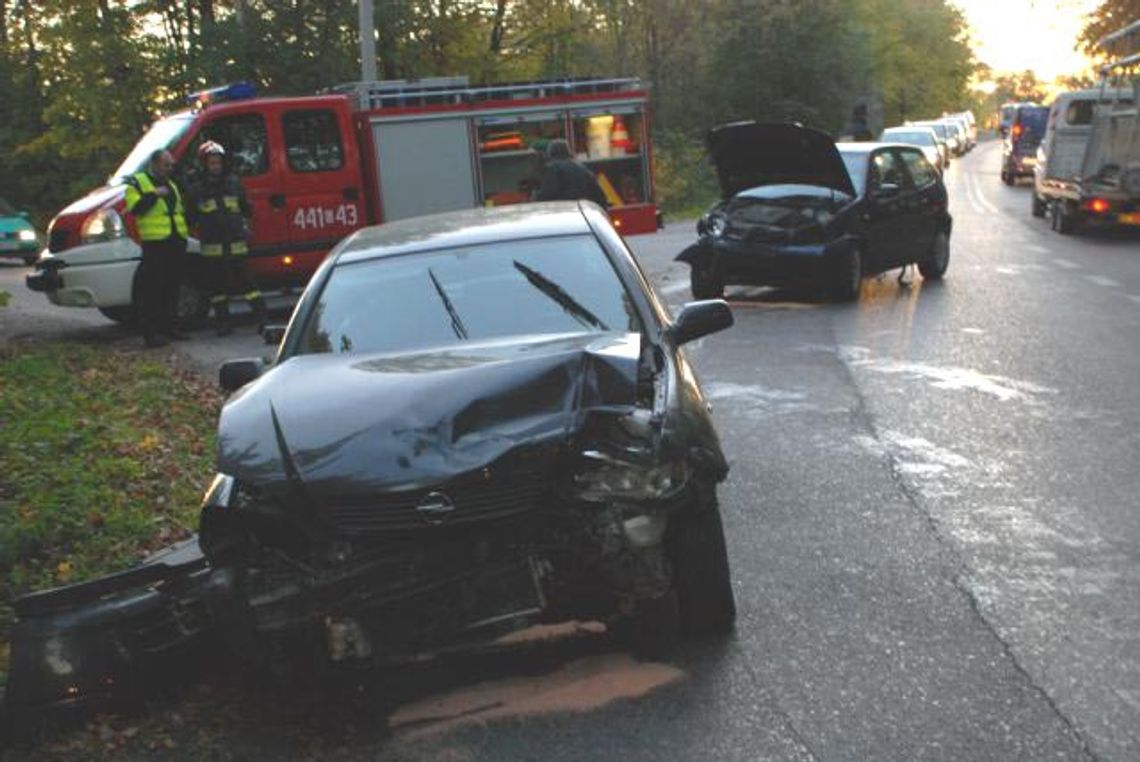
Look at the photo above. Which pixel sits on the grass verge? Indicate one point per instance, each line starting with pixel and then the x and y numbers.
pixel 103 457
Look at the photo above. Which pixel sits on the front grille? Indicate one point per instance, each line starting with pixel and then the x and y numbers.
pixel 58 241
pixel 476 499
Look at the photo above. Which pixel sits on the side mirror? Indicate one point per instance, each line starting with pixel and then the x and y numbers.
pixel 699 319
pixel 273 334
pixel 234 374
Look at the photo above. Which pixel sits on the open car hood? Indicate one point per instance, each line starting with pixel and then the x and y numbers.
pixel 750 154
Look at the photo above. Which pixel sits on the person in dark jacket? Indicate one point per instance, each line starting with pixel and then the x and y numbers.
pixel 566 179
pixel 218 209
pixel 153 199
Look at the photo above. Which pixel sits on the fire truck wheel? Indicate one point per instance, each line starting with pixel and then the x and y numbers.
pixel 193 306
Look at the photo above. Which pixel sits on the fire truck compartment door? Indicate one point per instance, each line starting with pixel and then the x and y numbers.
pixel 424 166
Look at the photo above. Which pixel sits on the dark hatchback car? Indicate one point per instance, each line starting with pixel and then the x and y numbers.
pixel 1019 148
pixel 800 208
pixel 475 422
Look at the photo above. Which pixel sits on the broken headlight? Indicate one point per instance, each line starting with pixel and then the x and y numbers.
pixel 605 478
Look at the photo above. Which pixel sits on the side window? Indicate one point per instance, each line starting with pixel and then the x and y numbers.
pixel 244 138
pixel 885 170
pixel 312 141
pixel 1079 112
pixel 920 170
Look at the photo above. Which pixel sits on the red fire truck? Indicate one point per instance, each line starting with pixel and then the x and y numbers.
pixel 316 168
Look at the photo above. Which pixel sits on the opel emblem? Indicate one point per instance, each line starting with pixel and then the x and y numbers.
pixel 435 508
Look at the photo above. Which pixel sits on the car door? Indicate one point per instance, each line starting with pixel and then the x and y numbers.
pixel 245 137
pixel 926 207
pixel 323 200
pixel 886 215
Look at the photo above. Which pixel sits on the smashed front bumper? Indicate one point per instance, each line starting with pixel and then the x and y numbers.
pixel 98 644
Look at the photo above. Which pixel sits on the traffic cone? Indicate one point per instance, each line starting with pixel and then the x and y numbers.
pixel 619 139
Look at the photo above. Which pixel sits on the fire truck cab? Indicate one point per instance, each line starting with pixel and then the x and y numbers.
pixel 316 168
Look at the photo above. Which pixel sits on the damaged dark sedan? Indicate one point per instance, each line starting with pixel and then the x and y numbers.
pixel 800 209
pixel 476 422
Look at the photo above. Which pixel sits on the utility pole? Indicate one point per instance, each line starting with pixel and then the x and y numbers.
pixel 367 42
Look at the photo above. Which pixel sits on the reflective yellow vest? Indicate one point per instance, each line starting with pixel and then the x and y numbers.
pixel 155 223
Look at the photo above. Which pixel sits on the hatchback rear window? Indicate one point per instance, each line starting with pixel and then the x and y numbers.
pixel 1033 120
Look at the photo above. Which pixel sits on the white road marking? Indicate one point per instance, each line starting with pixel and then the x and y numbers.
pixel 1100 280
pixel 1037 249
pixel 1066 264
pixel 973 330
pixel 982 196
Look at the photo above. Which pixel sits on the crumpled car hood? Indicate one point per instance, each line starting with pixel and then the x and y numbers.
pixel 335 424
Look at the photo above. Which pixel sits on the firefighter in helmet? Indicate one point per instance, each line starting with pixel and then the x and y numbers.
pixel 218 209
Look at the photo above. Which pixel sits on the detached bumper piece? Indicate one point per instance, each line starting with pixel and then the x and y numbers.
pixel 106 642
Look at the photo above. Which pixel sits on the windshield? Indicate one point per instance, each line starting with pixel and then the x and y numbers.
pixel 856 163
pixel 532 287
pixel 913 137
pixel 162 134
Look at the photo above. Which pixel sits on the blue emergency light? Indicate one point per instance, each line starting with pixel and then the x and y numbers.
pixel 235 91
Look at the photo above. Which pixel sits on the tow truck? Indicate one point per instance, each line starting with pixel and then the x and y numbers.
pixel 316 168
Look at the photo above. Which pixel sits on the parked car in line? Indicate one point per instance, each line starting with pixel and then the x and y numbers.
pixel 967 118
pixel 18 237
pixel 961 139
pixel 476 421
pixel 913 135
pixel 943 133
pixel 799 208
pixel 1019 148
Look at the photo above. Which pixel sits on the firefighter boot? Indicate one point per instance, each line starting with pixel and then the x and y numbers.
pixel 222 319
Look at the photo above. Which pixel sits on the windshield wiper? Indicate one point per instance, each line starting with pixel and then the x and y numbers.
pixel 456 323
pixel 558 294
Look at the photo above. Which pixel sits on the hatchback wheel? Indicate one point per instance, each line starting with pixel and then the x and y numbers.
pixel 705 282
pixel 933 267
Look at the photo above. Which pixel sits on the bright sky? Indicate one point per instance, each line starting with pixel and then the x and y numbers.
pixel 1014 35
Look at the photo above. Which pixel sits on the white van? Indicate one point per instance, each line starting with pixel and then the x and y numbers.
pixel 1062 150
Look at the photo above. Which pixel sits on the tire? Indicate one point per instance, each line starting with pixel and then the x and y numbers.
pixel 848 277
pixel 933 267
pixel 193 305
pixel 701 578
pixel 653 633
pixel 1037 206
pixel 704 281
pixel 1007 178
pixel 123 315
pixel 1064 222
pixel 32 258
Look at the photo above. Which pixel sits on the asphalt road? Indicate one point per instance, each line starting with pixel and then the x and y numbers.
pixel 933 518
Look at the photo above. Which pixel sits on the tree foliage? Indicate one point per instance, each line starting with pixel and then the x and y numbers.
pixel 81 78
pixel 1108 17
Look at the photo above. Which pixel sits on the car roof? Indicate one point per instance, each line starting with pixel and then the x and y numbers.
pixel 464 228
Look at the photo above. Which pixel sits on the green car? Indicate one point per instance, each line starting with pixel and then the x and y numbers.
pixel 17 236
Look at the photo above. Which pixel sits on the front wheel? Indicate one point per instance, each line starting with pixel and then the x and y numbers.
pixel 848 277
pixel 933 267
pixel 704 281
pixel 701 577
